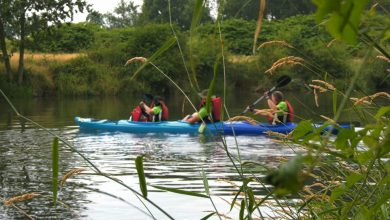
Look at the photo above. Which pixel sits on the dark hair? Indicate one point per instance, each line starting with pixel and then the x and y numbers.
pixel 278 96
pixel 157 100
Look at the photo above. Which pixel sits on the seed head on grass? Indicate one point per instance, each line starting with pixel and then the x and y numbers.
pixel 134 59
pixel 383 58
pixel 20 198
pixel 316 97
pixel 327 85
pixel 319 88
pixel 331 42
pixel 276 134
pixel 328 119
pixel 371 98
pixel 244 118
pixel 70 174
pixel 275 42
pixel 290 60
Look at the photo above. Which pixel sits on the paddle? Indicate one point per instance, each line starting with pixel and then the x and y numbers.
pixel 282 81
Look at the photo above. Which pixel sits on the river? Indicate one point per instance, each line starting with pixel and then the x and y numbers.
pixel 170 160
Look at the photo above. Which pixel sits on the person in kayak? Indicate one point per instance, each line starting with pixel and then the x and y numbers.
pixel 216 108
pixel 280 110
pixel 138 114
pixel 157 112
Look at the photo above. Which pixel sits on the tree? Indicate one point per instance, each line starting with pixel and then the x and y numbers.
pixel 4 14
pixel 27 16
pixel 95 17
pixel 125 15
pixel 279 9
pixel 157 11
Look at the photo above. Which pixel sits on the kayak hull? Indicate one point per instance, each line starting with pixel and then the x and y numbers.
pixel 180 127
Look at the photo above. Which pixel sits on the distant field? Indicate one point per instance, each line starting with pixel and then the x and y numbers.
pixel 38 65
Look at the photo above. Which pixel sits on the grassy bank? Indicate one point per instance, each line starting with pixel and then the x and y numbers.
pixel 99 69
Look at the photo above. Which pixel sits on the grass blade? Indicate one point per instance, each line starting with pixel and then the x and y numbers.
pixel 55 156
pixel 258 25
pixel 334 102
pixel 242 209
pixel 180 191
pixel 212 85
pixel 205 183
pixel 141 175
pixel 168 44
pixel 208 216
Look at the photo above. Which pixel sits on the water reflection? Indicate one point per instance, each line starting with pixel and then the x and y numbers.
pixel 171 160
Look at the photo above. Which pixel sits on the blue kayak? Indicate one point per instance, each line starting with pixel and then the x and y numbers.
pixel 180 127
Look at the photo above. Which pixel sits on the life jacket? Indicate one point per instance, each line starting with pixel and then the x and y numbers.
pixel 139 115
pixel 287 116
pixel 163 115
pixel 217 108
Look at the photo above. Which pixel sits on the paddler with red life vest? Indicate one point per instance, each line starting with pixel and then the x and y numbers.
pixel 216 108
pixel 280 110
pixel 157 112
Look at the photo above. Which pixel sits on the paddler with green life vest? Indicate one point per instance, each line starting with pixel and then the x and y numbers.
pixel 280 110
pixel 215 115
pixel 157 112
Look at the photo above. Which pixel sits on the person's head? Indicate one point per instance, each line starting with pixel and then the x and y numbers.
pixel 203 94
pixel 277 97
pixel 157 100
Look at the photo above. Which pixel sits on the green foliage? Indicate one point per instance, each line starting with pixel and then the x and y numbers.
pixel 81 76
pixel 275 9
pixel 288 179
pixel 157 11
pixel 344 18
pixel 64 38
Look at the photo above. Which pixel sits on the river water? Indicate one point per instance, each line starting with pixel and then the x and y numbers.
pixel 170 160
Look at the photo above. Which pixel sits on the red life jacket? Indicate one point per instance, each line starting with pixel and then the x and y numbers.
pixel 164 114
pixel 138 115
pixel 290 114
pixel 217 108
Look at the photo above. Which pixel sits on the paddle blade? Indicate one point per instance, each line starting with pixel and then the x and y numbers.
pixel 283 80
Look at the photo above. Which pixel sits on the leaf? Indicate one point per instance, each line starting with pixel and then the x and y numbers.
pixel 208 216
pixel 205 183
pixel 180 191
pixel 337 192
pixel 344 140
pixel 168 44
pixel 252 200
pixel 197 15
pixel 344 17
pixel 352 179
pixel 288 179
pixel 55 158
pixel 364 157
pixel 141 175
pixel 382 112
pixel 245 183
pixel 242 209
pixel 303 128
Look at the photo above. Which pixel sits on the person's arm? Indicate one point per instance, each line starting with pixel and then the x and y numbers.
pixel 146 108
pixel 263 112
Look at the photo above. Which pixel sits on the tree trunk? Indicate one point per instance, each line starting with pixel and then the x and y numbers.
pixel 4 51
pixel 21 48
